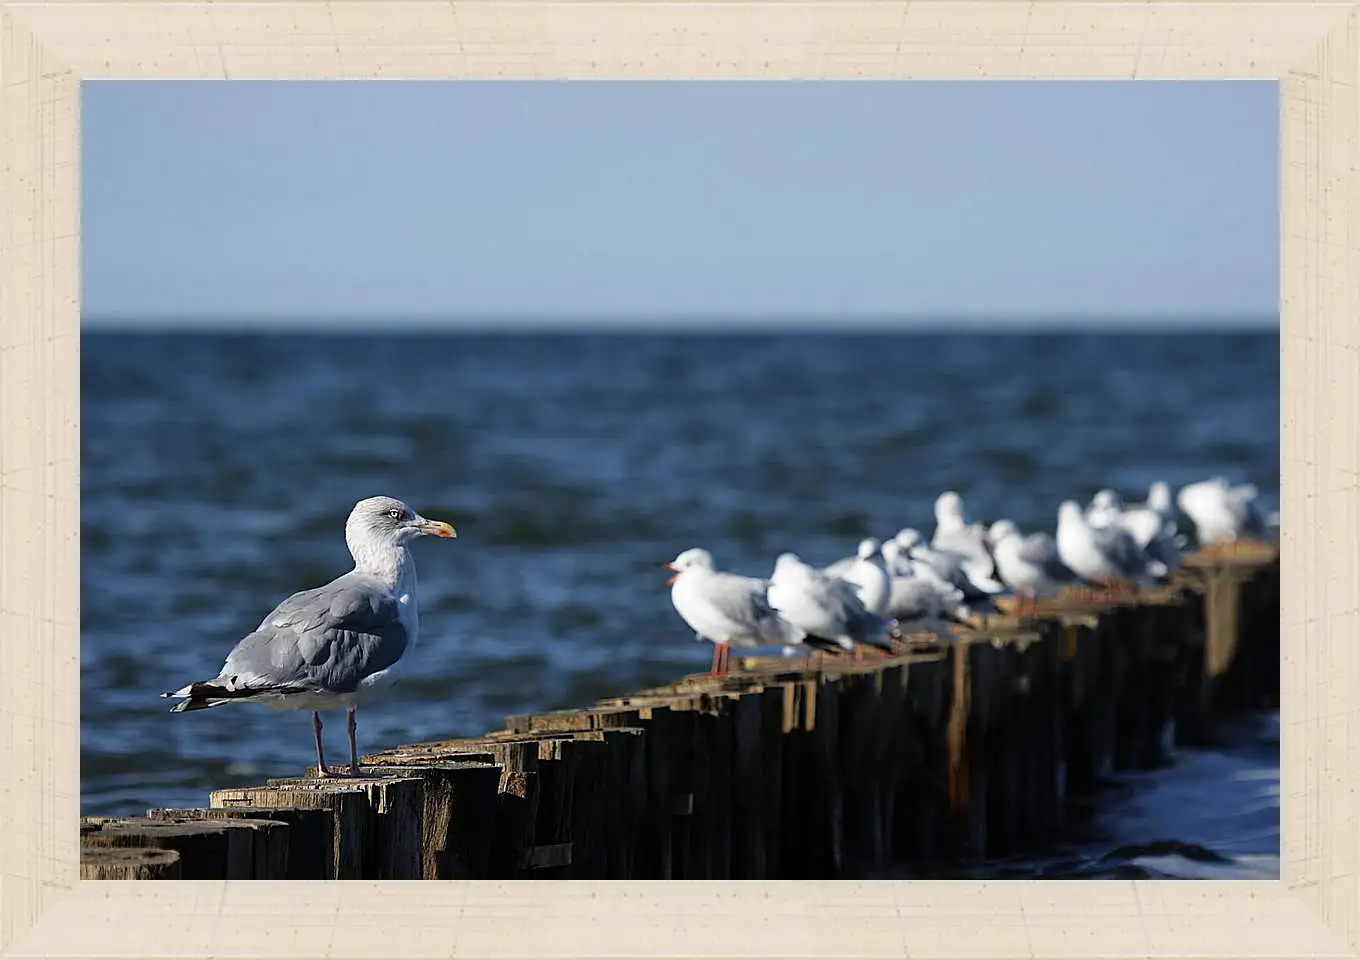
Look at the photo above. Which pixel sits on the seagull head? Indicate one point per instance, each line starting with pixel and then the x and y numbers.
pixel 787 565
pixel 949 509
pixel 1106 500
pixel 383 520
pixel 907 538
pixel 1069 511
pixel 688 560
pixel 1001 530
pixel 868 548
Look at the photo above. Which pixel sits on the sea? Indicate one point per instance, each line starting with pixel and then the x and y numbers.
pixel 217 469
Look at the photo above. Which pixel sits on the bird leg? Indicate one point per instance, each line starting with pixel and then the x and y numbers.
pixel 321 770
pixel 859 654
pixel 351 726
pixel 717 654
pixel 726 658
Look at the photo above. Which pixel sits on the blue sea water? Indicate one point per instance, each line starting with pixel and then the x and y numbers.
pixel 217 471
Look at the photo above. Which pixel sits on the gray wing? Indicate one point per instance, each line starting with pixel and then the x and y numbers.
pixel 1118 544
pixel 841 597
pixel 1041 550
pixel 327 639
pixel 745 600
pixel 860 624
pixel 769 624
pixel 741 598
pixel 913 598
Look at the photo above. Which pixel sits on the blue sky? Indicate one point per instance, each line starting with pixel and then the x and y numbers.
pixel 590 200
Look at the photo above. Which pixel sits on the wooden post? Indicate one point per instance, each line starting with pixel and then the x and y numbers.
pixel 375 823
pixel 827 763
pixel 749 780
pixel 129 863
pixel 771 814
pixel 208 849
pixel 458 802
pixel 967 753
pixel 1221 605
pixel 283 838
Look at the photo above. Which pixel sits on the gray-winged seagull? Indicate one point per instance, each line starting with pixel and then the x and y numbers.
pixel 331 646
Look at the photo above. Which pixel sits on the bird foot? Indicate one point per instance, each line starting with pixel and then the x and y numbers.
pixel 337 773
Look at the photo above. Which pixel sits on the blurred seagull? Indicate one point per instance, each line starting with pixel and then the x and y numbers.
pixel 867 573
pixel 1028 565
pixel 1222 513
pixel 920 599
pixel 824 607
pixel 1151 525
pixel 1101 555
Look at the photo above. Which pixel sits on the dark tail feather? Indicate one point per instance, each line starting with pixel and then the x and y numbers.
pixel 202 696
pixel 823 644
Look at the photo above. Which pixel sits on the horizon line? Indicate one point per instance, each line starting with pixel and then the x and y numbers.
pixel 682 322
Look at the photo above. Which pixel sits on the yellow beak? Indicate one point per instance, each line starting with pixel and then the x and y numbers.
pixel 439 528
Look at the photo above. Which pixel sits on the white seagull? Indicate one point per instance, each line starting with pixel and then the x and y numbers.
pixel 867 573
pixel 1028 565
pixel 920 599
pixel 726 609
pixel 1100 554
pixel 1151 525
pixel 824 607
pixel 1222 513
pixel 1105 509
pixel 969 574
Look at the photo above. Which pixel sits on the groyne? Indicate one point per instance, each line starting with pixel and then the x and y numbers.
pixel 969 749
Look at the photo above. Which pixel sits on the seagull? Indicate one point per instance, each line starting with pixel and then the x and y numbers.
pixel 867 574
pixel 1222 514
pixel 897 552
pixel 919 597
pixel 334 645
pixel 955 537
pixel 969 574
pixel 1151 525
pixel 725 608
pixel 1100 554
pixel 1105 509
pixel 1154 534
pixel 953 531
pixel 1159 499
pixel 1028 565
pixel 824 607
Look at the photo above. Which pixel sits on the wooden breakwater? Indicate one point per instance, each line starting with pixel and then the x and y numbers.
pixel 968 749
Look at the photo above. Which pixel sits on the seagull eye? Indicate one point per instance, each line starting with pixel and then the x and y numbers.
pixel 394 513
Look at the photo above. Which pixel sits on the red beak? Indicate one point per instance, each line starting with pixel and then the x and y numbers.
pixel 670 566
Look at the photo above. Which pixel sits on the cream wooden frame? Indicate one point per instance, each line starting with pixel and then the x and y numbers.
pixel 46 48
